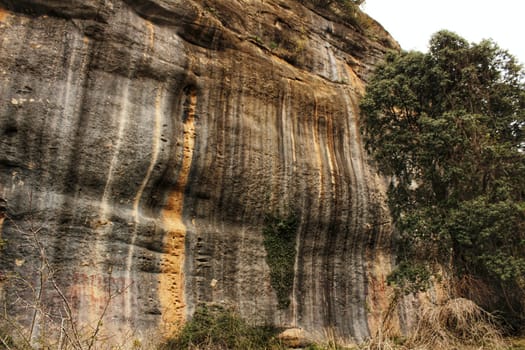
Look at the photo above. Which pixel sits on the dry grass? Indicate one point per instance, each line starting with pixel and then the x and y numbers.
pixel 518 344
pixel 457 324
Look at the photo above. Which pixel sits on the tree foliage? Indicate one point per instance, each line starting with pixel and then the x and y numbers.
pixel 448 128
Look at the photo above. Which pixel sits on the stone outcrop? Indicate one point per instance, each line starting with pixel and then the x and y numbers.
pixel 143 142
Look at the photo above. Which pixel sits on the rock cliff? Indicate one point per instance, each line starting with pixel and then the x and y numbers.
pixel 144 141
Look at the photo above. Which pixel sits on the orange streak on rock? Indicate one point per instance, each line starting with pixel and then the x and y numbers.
pixel 1 224
pixel 317 149
pixel 171 291
pixel 3 14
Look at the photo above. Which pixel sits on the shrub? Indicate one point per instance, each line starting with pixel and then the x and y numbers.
pixel 410 278
pixel 219 328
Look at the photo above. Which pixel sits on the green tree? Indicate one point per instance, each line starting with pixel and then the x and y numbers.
pixel 447 127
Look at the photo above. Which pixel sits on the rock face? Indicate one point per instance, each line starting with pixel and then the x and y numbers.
pixel 143 142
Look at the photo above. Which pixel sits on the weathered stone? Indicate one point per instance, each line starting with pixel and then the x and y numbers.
pixel 294 338
pixel 142 142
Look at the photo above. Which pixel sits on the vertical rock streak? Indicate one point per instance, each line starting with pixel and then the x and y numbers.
pixel 155 150
pixel 359 207
pixel 95 294
pixel 171 290
pixel 330 282
pixel 122 121
pixel 71 94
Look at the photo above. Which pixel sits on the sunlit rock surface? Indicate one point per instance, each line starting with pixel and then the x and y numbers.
pixel 142 142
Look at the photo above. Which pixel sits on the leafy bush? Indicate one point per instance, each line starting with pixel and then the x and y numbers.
pixel 219 328
pixel 410 277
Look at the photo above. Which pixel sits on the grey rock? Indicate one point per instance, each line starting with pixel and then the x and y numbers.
pixel 142 142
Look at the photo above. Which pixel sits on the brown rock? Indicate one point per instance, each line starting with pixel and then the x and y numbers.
pixel 294 338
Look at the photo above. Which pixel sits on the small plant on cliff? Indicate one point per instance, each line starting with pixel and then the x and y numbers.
pixel 346 3
pixel 214 327
pixel 347 9
pixel 448 127
pixel 279 241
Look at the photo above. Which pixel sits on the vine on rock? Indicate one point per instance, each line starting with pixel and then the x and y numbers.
pixel 280 243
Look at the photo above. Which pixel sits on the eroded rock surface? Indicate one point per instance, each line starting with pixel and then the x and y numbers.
pixel 142 142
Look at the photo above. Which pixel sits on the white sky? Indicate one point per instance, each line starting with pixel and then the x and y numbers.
pixel 412 22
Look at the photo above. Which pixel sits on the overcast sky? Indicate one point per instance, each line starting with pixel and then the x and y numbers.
pixel 412 22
